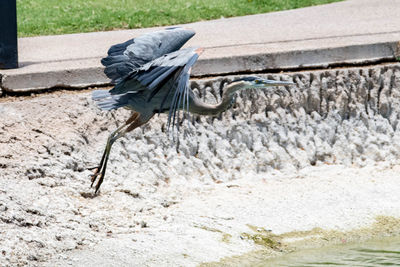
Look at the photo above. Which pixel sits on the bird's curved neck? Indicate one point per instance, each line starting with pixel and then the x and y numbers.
pixel 201 108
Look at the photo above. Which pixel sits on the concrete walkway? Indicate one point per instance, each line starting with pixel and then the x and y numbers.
pixel 354 31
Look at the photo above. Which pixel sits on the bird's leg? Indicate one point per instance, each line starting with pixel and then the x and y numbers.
pixel 101 169
pixel 106 151
pixel 136 123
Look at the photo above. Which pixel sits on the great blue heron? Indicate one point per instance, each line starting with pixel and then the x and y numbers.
pixel 151 75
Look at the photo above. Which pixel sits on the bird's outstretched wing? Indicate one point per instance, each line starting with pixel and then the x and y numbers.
pixel 129 56
pixel 151 73
pixel 153 76
pixel 170 73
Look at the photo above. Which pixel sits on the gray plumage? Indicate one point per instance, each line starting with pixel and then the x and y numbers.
pixel 140 67
pixel 151 75
pixel 131 55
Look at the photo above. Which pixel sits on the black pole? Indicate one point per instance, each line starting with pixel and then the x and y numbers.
pixel 8 34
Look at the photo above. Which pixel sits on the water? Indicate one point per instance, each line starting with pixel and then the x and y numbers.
pixel 385 252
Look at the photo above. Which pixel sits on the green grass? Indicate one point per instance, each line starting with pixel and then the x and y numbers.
pixel 44 17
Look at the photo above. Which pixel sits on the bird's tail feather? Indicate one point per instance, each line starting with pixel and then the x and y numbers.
pixel 106 101
pixel 100 94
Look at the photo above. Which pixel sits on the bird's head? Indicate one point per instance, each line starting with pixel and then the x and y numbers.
pixel 252 82
pixel 249 82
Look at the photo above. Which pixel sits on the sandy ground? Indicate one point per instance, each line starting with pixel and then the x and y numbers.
pixel 324 153
pixel 210 223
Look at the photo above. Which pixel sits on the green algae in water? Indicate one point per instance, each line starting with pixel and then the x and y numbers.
pixel 383 252
pixel 263 237
pixel 319 247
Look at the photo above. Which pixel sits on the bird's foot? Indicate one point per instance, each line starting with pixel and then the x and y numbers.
pixel 94 176
pixel 99 182
pixel 97 172
pixel 92 168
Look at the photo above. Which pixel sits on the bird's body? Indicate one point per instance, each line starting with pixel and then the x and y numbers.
pixel 151 75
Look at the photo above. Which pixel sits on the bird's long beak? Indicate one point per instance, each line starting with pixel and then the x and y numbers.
pixel 267 82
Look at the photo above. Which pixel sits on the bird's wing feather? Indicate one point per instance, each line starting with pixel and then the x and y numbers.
pixel 156 71
pixel 131 55
pixel 182 89
pixel 151 77
pixel 152 74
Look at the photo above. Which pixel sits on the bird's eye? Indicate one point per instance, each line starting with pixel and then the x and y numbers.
pixel 257 81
